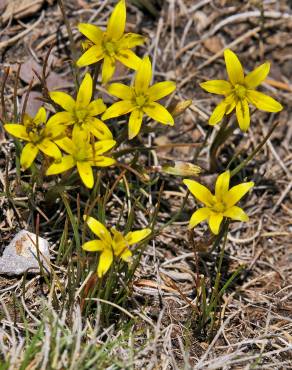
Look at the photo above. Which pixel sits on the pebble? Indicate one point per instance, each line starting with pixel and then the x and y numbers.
pixel 21 256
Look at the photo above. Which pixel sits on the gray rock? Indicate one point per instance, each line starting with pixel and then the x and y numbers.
pixel 21 255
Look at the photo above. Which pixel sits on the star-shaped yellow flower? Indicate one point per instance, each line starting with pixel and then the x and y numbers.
pixel 240 91
pixel 39 134
pixel 112 44
pixel 111 243
pixel 82 112
pixel 84 155
pixel 220 205
pixel 140 99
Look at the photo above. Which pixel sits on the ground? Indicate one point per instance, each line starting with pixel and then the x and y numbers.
pixel 186 40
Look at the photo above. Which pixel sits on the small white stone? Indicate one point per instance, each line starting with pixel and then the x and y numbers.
pixel 21 255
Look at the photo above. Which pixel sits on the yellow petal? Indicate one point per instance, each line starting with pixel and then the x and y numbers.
pixel 28 154
pixel 86 174
pixel 117 21
pixel 135 237
pixel 130 40
pixel 236 193
pixel 80 137
pixel 101 161
pixel 96 107
pixel 105 261
pixel 157 112
pixel 80 131
pixel 135 122
pixel 63 165
pixel 99 129
pixel 54 131
pixel 98 229
pixel 92 55
pixel 17 130
pixel 217 114
pixel 118 109
pixel 257 76
pixel 64 100
pixel 126 255
pixel 160 90
pixel 108 69
pixel 129 59
pixel 49 148
pixel 93 246
pixel 226 106
pixel 222 185
pixel 220 87
pixel 199 216
pixel 121 91
pixel 103 146
pixel 215 222
pixel 119 242
pixel 84 92
pixel 41 116
pixel 242 114
pixel 200 192
pixel 263 101
pixel 27 120
pixel 66 144
pixel 236 213
pixel 230 103
pixel 143 76
pixel 123 252
pixel 61 117
pixel 234 68
pixel 86 44
pixel 93 33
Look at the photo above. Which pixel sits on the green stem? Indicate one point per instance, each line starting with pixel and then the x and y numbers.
pixel 15 109
pixel 6 73
pixel 95 76
pixel 71 40
pixel 73 222
pixel 175 216
pixel 223 246
pixel 122 152
pixel 251 156
pixel 219 139
pixel 218 274
pixel 210 310
pixel 199 149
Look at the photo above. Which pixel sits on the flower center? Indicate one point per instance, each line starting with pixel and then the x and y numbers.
pixel 110 48
pixel 80 115
pixel 35 132
pixel 218 205
pixel 141 100
pixel 80 154
pixel 240 91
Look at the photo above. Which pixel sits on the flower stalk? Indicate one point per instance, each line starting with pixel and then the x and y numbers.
pixel 71 41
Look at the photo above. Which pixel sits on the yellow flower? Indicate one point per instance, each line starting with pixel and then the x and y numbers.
pixel 111 243
pixel 111 45
pixel 81 113
pixel 140 99
pixel 240 91
pixel 39 134
pixel 84 155
pixel 220 205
